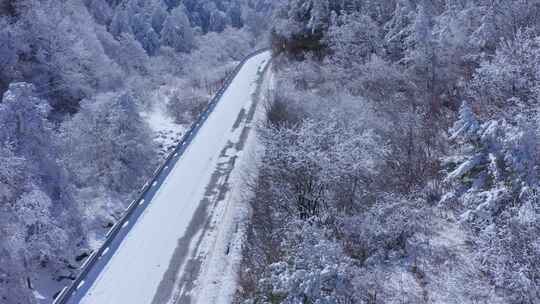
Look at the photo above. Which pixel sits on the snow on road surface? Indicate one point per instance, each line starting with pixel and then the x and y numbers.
pixel 154 258
pixel 221 249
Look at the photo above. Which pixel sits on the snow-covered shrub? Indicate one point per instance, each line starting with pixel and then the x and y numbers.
pixel 186 107
pixel 108 146
pixel 307 163
pixel 382 231
pixel 313 270
pixel 509 252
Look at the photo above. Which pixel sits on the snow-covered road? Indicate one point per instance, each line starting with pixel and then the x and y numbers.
pixel 149 265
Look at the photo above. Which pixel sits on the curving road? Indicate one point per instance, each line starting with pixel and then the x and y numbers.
pixel 149 259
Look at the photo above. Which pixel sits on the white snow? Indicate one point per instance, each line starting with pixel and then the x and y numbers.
pixel 44 285
pixel 138 266
pixel 38 296
pixel 168 133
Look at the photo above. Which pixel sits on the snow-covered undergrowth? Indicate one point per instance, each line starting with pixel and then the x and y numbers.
pixel 167 131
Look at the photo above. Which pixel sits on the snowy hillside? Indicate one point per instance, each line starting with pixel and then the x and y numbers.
pixel 393 155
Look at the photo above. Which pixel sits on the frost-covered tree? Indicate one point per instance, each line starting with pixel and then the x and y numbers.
pixel 508 83
pixel 503 20
pixel 38 218
pixel 217 20
pixel 110 134
pixel 29 133
pixel 101 10
pixel 298 166
pixel 130 55
pixel 300 26
pixel 159 15
pixel 66 60
pixel 8 54
pixel 314 270
pixel 354 38
pixel 177 32
pixel 216 15
pixel 422 56
pixel 495 161
pixel 142 19
pixel 494 180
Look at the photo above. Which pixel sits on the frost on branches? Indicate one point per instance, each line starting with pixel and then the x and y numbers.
pixel 378 184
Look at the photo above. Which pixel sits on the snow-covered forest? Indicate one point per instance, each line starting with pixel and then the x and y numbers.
pixel 399 160
pixel 402 155
pixel 80 81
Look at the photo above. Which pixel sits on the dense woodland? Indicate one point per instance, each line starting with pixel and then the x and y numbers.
pixel 402 155
pixel 75 77
pixel 401 149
